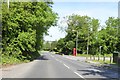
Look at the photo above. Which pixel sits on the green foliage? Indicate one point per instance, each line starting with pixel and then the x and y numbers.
pixel 47 46
pixel 53 46
pixel 70 45
pixel 24 24
pixel 83 26
pixel 104 41
pixel 50 46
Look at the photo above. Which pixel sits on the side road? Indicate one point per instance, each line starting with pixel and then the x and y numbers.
pixel 83 59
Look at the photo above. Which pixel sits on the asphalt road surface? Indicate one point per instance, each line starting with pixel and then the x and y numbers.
pixel 57 66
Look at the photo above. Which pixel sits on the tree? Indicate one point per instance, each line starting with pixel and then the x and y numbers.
pixel 23 27
pixel 86 28
pixel 112 31
pixel 47 45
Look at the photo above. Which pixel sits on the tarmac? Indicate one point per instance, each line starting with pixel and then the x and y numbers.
pixel 84 59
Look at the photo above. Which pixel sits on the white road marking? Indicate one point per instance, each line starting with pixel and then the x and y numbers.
pixel 71 70
pixel 66 66
pixel 58 60
pixel 79 75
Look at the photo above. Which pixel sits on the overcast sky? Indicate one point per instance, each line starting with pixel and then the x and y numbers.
pixel 99 10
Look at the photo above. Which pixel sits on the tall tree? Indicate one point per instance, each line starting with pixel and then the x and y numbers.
pixel 23 27
pixel 86 28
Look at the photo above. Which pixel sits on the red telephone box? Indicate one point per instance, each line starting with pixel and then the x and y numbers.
pixel 74 51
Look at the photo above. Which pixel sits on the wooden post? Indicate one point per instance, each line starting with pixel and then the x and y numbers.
pixel 94 57
pixel 90 57
pixel 98 57
pixel 104 58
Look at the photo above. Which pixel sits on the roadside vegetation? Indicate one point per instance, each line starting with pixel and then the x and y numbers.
pixel 23 27
pixel 104 62
pixel 92 36
pixel 25 23
pixel 85 55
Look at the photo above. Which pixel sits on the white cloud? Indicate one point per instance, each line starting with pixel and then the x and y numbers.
pixel 54 34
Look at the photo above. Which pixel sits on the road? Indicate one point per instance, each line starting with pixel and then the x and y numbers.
pixel 57 66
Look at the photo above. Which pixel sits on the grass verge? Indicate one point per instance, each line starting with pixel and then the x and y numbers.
pixel 7 61
pixel 104 62
pixel 88 55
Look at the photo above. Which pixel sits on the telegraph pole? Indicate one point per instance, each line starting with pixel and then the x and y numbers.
pixel 88 44
pixel 76 42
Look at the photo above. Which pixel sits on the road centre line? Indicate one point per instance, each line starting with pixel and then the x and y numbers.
pixel 79 75
pixel 58 60
pixel 66 66
pixel 74 62
pixel 72 70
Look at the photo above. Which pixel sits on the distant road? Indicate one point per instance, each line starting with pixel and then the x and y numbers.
pixel 57 66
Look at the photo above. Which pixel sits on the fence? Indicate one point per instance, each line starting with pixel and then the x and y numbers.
pixel 101 58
